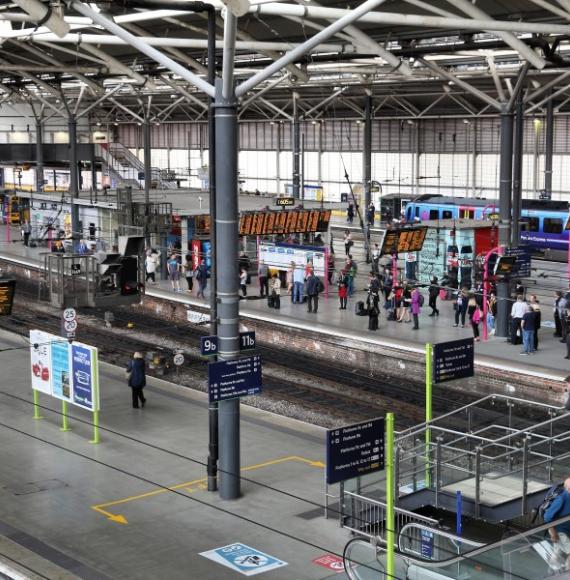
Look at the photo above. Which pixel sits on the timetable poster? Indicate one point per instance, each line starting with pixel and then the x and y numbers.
pixel 61 379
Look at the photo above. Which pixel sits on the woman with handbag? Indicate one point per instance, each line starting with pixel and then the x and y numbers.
pixel 136 377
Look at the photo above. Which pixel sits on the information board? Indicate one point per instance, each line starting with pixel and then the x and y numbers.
pixel 522 264
pixel 426 544
pixel 404 240
pixel 453 360
pixel 234 378
pixel 40 360
pixel 355 450
pixel 295 221
pixel 280 256
pixel 7 290
pixel 84 366
pixel 61 374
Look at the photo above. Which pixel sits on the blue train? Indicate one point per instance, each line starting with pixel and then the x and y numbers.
pixel 544 228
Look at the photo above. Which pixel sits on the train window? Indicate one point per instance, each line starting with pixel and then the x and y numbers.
pixel 447 214
pixel 533 224
pixel 433 214
pixel 409 213
pixel 417 212
pixel 552 226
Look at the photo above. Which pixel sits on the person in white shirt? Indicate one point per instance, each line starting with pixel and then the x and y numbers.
pixel 151 264
pixel 518 310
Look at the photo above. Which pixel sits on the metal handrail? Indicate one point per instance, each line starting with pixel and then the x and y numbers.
pixel 437 532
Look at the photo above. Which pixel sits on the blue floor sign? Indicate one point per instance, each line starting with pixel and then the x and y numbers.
pixel 243 559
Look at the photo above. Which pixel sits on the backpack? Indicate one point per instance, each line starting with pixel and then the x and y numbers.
pixel 421 300
pixel 477 315
pixel 320 286
pixel 554 492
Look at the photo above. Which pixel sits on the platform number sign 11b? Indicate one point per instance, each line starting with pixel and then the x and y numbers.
pixel 209 344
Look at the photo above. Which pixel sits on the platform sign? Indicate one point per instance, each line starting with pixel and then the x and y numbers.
pixel 453 360
pixel 84 372
pixel 40 359
pixel 230 379
pixel 247 340
pixel 522 264
pixel 7 290
pixel 243 559
pixel 208 345
pixel 61 373
pixel 355 450
pixel 426 544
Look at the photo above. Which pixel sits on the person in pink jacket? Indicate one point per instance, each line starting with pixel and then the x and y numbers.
pixel 417 302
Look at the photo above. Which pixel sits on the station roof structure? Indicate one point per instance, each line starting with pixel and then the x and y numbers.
pixel 415 57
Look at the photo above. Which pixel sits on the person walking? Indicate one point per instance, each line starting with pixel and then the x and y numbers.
pixel 535 305
pixel 350 213
pixel 243 282
pixel 298 282
pixel 528 325
pixel 173 266
pixel 202 278
pixel 518 310
pixel 416 307
pixel 560 534
pixel 433 293
pixel 460 307
pixel 491 312
pixel 371 214
pixel 348 242
pixel 151 264
pixel 474 313
pixel 556 311
pixel 314 286
pixel 405 305
pixel 376 254
pixel 262 276
pixel 189 272
pixel 26 231
pixel 136 377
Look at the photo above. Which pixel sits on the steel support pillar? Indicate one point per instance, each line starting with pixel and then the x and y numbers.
pixel 212 466
pixel 227 279
pixel 73 180
pixel 93 170
pixel 549 148
pixel 296 151
pixel 505 187
pixel 517 170
pixel 146 157
pixel 39 156
pixel 367 151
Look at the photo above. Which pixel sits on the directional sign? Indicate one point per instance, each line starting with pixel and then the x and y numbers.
pixel 522 264
pixel 208 345
pixel 243 559
pixel 247 340
pixel 178 359
pixel 7 288
pixel 234 378
pixel 453 360
pixel 355 450
pixel 69 314
pixel 426 544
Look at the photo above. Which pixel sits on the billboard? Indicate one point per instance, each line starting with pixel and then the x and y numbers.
pixel 84 376
pixel 40 359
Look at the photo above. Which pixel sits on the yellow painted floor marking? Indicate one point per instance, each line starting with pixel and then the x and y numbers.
pixel 191 487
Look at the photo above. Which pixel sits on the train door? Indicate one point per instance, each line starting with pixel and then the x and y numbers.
pixel 466 212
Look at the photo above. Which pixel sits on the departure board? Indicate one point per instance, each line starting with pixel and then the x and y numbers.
pixel 7 288
pixel 284 222
pixel 404 240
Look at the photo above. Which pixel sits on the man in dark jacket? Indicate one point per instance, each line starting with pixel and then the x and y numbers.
pixel 433 293
pixel 137 378
pixel 202 278
pixel 560 534
pixel 313 286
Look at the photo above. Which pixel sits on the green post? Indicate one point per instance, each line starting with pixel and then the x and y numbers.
pixel 64 419
pixel 36 404
pixel 429 412
pixel 95 439
pixel 390 497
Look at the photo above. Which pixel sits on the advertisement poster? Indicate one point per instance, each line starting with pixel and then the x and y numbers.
pixel 61 378
pixel 85 378
pixel 281 256
pixel 40 354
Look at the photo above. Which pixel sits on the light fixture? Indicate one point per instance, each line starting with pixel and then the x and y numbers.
pixel 98 123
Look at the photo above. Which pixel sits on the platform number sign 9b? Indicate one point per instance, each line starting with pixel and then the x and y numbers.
pixel 208 345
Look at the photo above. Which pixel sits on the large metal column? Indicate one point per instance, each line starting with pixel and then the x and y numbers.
pixel 367 152
pixel 227 281
pixel 93 169
pixel 517 169
pixel 39 156
pixel 296 150
pixel 146 157
pixel 549 147
pixel 73 180
pixel 505 186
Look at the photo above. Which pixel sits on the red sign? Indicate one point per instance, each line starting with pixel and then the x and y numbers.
pixel 330 562
pixel 196 248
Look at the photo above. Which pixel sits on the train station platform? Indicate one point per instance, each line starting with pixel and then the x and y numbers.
pixel 332 323
pixel 135 505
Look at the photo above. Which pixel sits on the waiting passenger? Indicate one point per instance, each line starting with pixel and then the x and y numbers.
pixel 275 285
pixel 433 293
pixel 188 268
pixel 528 326
pixel 460 307
pixel 298 282
pixel 474 313
pixel 202 278
pixel 136 377
pixel 243 282
pixel 560 534
pixel 518 310
pixel 173 266
pixel 416 307
pixel 314 286
pixel 262 277
pixel 348 242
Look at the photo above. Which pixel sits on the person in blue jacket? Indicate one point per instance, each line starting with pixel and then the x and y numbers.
pixel 560 534
pixel 136 374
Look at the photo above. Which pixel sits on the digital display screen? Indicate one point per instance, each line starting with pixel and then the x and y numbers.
pixel 404 240
pixel 280 222
pixel 7 288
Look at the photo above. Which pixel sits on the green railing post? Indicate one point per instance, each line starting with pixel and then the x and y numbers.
pixel 36 395
pixel 64 420
pixel 429 411
pixel 95 439
pixel 390 497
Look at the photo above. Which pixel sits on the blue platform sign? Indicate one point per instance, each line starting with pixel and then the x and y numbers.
pixel 85 376
pixel 355 450
pixel 247 340
pixel 208 345
pixel 61 376
pixel 243 559
pixel 234 378
pixel 426 544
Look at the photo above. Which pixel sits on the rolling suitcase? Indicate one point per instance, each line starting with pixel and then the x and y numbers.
pixel 271 301
pixel 277 302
